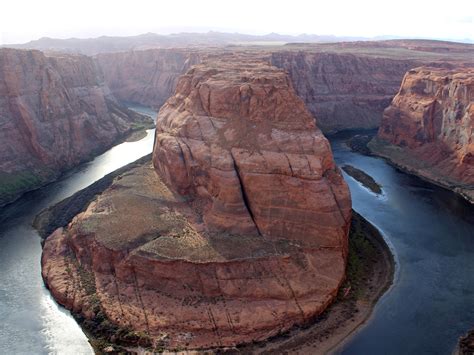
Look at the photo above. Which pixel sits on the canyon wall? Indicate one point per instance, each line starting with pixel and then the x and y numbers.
pixel 240 234
pixel 428 129
pixel 55 112
pixel 146 77
pixel 344 91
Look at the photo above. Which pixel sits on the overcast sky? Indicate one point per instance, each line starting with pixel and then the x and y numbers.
pixel 24 20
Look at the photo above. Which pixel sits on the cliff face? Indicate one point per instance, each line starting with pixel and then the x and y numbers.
pixel 244 127
pixel 55 112
pixel 147 77
pixel 241 234
pixel 429 127
pixel 344 91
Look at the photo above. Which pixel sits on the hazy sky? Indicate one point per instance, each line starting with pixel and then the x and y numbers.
pixel 24 20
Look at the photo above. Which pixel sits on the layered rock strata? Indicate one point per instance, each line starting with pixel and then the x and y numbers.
pixel 344 91
pixel 147 77
pixel 242 233
pixel 55 112
pixel 429 127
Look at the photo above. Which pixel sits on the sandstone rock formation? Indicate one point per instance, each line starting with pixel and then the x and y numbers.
pixel 429 127
pixel 55 112
pixel 344 91
pixel 242 233
pixel 345 85
pixel 147 77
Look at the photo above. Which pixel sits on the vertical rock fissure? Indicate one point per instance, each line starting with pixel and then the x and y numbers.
pixel 244 194
pixel 140 300
pixel 114 278
pixel 224 303
pixel 214 325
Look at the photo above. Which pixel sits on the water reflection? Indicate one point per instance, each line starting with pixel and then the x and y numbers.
pixel 31 321
pixel 432 233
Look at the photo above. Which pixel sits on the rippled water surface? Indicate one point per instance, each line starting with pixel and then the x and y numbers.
pixel 431 231
pixel 30 321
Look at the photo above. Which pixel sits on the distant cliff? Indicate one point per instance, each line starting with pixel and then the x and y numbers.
pixel 345 85
pixel 343 91
pixel 429 127
pixel 55 112
pixel 146 77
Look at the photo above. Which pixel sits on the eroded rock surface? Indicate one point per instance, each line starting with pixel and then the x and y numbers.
pixel 429 127
pixel 344 91
pixel 55 112
pixel 242 233
pixel 148 77
pixel 345 85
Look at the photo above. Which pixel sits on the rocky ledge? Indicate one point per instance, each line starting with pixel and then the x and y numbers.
pixel 428 129
pixel 55 112
pixel 236 233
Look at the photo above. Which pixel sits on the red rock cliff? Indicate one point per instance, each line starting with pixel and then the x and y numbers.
pixel 245 129
pixel 55 112
pixel 147 77
pixel 344 91
pixel 242 233
pixel 429 127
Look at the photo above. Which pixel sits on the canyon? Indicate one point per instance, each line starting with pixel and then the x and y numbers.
pixel 345 85
pixel 241 218
pixel 56 111
pixel 428 129
pixel 240 226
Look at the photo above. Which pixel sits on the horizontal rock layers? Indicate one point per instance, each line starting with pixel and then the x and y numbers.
pixel 344 91
pixel 429 127
pixel 146 77
pixel 55 112
pixel 242 233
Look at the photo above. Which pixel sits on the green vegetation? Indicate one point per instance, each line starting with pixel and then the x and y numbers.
pixel 363 178
pixel 137 126
pixel 14 184
pixel 359 142
pixel 363 256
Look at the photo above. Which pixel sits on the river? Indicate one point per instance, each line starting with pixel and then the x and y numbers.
pixel 31 321
pixel 430 230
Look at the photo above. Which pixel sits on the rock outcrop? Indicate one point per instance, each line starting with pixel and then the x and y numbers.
pixel 429 127
pixel 242 233
pixel 55 112
pixel 147 77
pixel 344 91
pixel 345 85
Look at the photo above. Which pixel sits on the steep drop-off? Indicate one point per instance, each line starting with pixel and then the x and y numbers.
pixel 55 112
pixel 344 91
pixel 146 77
pixel 239 234
pixel 429 127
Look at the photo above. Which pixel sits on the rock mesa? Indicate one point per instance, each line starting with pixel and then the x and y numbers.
pixel 239 231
